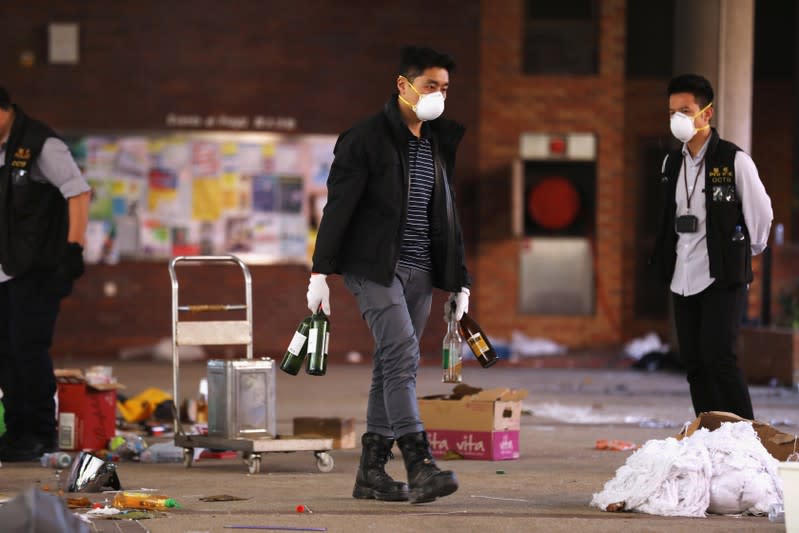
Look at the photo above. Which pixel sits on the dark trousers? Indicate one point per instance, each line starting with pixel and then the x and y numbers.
pixel 707 330
pixel 29 305
pixel 396 316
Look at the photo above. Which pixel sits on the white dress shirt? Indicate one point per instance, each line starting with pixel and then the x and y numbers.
pixel 692 269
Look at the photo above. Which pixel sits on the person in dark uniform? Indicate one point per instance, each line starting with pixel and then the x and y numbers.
pixel 43 219
pixel 716 216
pixel 391 228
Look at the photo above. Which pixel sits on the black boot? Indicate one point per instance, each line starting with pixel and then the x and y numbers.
pixel 372 481
pixel 426 480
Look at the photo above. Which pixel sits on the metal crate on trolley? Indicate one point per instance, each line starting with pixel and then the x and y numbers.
pixel 241 392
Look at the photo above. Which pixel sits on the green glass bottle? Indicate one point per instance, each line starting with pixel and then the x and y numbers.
pixel 318 341
pixel 298 347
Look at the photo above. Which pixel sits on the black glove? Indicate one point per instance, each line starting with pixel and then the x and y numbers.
pixel 73 261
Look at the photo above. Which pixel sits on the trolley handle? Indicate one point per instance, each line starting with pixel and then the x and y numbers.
pixel 203 308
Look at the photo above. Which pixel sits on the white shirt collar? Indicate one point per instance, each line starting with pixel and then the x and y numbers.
pixel 699 155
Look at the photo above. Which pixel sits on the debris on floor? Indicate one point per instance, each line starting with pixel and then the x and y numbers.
pixel 592 414
pixel 725 471
pixel 614 445
pixel 222 498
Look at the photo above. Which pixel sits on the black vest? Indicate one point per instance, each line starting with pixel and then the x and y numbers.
pixel 34 220
pixel 730 261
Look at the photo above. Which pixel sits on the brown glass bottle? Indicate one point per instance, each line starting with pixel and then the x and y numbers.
pixel 477 341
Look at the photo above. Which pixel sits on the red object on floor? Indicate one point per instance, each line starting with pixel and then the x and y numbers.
pixel 224 454
pixel 87 416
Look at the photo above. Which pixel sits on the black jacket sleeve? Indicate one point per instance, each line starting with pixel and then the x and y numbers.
pixel 345 186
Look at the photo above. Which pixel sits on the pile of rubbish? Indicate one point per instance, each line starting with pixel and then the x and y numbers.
pixel 724 471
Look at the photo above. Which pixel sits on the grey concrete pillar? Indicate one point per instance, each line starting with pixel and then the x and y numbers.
pixel 715 38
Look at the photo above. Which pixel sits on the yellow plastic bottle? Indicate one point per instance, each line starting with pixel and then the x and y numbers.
pixel 144 500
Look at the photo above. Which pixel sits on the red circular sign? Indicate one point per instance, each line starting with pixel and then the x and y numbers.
pixel 553 203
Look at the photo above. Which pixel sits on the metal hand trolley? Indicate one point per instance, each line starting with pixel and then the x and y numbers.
pixel 229 332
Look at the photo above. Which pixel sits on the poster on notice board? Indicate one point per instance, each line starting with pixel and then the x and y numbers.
pixel 258 196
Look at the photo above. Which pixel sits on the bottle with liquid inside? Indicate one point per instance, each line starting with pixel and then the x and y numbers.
pixel 477 341
pixel 738 235
pixel 298 347
pixel 143 500
pixel 56 460
pixel 318 342
pixel 451 361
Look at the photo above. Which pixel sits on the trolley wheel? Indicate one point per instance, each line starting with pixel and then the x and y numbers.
pixel 188 457
pixel 254 463
pixel 324 462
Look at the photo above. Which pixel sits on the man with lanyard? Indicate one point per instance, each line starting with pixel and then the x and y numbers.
pixel 390 227
pixel 43 219
pixel 716 216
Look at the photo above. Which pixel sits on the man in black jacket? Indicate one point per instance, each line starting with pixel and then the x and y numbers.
pixel 43 220
pixel 391 228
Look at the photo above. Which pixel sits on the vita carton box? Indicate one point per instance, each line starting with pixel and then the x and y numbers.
pixel 86 412
pixel 484 425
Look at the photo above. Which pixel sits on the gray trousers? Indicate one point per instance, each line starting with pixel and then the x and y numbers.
pixel 396 316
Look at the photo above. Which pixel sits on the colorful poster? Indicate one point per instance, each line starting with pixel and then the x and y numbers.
pixel 238 234
pixel 256 195
pixel 206 158
pixel 291 194
pixel 206 199
pixel 162 187
pixel 132 158
pixel 155 238
pixel 264 193
pixel 266 235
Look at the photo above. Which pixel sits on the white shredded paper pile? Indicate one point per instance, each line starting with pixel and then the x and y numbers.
pixel 726 471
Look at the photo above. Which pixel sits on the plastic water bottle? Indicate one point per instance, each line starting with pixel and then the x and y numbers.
pixel 779 234
pixel 56 460
pixel 163 452
pixel 738 235
pixel 776 513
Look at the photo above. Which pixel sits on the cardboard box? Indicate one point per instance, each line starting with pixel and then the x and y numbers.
pixel 498 409
pixel 778 444
pixel 86 412
pixel 341 430
pixel 483 425
pixel 481 445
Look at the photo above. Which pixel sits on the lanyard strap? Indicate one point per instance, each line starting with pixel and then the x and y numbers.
pixel 696 178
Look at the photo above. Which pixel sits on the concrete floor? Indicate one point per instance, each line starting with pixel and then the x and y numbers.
pixel 547 489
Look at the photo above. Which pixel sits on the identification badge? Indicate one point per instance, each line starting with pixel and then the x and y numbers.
pixel 724 193
pixel 686 224
pixel 19 176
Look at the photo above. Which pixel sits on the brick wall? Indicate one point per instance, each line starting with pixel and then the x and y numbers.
pixel 513 103
pixel 328 64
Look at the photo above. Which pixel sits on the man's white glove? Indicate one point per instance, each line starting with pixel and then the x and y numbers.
pixel 461 300
pixel 318 294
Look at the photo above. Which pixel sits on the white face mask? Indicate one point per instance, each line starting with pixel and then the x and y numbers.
pixel 682 126
pixel 428 107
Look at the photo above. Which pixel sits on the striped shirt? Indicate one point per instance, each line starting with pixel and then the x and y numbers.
pixel 415 250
